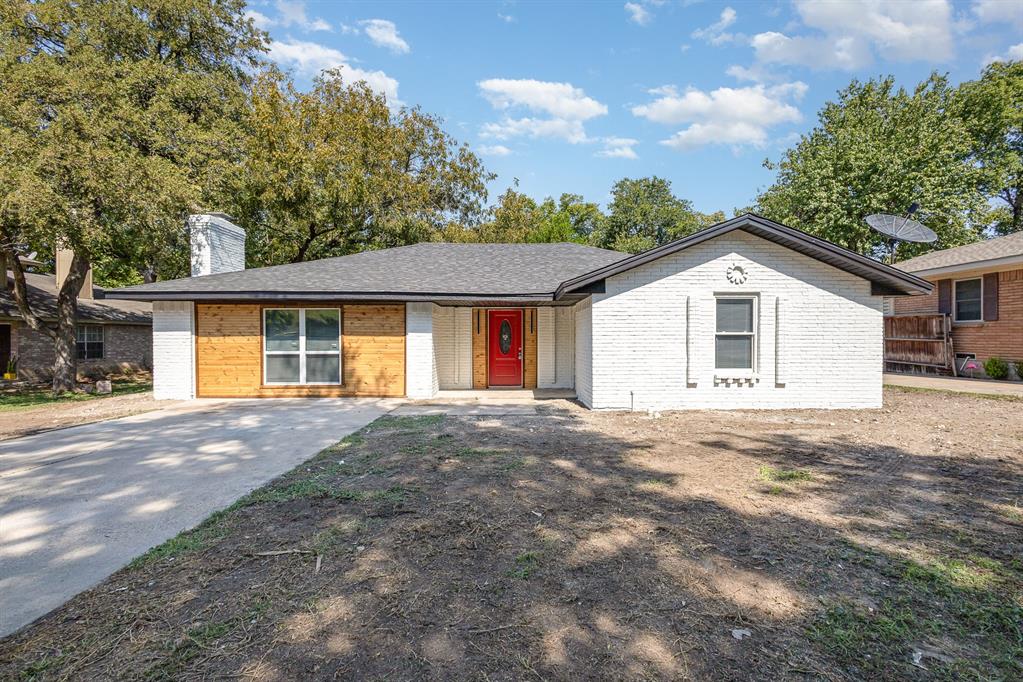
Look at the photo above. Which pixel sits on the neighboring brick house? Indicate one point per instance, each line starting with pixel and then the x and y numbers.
pixel 113 334
pixel 747 313
pixel 980 286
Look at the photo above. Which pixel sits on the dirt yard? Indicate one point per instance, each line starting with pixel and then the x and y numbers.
pixel 879 544
pixel 25 412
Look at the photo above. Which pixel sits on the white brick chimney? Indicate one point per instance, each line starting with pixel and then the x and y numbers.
pixel 218 245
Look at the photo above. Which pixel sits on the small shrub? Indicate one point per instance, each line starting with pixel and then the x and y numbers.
pixel 996 368
pixel 1019 368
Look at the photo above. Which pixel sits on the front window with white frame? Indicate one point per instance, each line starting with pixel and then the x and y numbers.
pixel 969 300
pixel 302 345
pixel 735 334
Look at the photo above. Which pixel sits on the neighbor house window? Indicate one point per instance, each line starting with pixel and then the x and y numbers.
pixel 735 336
pixel 968 298
pixel 302 345
pixel 89 341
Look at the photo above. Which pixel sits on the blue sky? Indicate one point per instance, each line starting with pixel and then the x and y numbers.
pixel 570 97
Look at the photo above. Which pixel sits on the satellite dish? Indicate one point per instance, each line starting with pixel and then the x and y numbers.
pixel 900 229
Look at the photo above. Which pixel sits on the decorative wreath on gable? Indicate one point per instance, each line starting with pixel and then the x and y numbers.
pixel 736 274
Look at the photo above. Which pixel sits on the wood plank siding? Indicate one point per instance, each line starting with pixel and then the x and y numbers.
pixel 480 379
pixel 529 323
pixel 229 352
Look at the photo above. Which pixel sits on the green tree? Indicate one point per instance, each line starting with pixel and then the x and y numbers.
pixel 644 213
pixel 991 108
pixel 877 149
pixel 116 119
pixel 335 171
pixel 517 218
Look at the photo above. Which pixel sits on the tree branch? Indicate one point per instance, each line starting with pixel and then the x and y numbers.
pixel 21 291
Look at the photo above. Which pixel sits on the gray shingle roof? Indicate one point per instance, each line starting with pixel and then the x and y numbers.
pixel 429 270
pixel 42 295
pixel 989 249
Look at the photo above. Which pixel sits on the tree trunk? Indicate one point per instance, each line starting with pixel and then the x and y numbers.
pixel 65 365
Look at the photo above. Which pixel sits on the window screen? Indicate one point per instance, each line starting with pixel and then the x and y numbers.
pixel 968 300
pixel 302 345
pixel 733 342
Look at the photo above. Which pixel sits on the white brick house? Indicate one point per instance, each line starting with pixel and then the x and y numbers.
pixel 745 314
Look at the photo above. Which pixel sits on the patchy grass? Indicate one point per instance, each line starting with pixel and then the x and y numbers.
pixel 963 394
pixel 964 614
pixel 769 473
pixel 36 396
pixel 526 565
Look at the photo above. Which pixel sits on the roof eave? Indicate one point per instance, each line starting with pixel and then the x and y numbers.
pixel 397 297
pixel 987 264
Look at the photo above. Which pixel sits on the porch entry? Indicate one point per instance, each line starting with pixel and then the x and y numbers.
pixel 505 347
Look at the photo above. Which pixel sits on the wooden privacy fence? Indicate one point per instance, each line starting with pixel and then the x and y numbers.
pixel 924 341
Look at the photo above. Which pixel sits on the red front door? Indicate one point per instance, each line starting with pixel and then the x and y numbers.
pixel 505 347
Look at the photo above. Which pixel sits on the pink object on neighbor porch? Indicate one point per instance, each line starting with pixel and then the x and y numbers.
pixel 971 365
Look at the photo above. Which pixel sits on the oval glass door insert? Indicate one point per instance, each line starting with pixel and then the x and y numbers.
pixel 505 338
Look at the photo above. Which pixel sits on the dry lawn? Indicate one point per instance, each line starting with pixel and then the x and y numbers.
pixel 573 545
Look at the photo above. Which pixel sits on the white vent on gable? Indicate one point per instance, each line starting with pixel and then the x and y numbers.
pixel 218 245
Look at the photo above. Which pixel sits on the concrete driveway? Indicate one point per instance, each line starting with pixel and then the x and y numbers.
pixel 79 503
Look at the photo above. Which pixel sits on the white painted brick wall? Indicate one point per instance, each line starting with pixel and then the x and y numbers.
pixel 831 335
pixel 217 245
pixel 420 367
pixel 564 347
pixel 173 350
pixel 583 313
pixel 452 347
pixel 545 345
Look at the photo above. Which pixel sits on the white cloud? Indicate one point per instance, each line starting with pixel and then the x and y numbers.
pixel 853 32
pixel 618 148
pixel 259 19
pixel 715 33
pixel 494 150
pixel 565 106
pixel 845 52
pixel 638 14
pixel 506 18
pixel 384 33
pixel 734 116
pixel 309 59
pixel 292 13
pixel 561 100
pixel 999 12
pixel 507 128
pixel 1014 53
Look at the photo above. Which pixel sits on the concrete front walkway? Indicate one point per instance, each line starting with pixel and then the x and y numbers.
pixel 79 503
pixel 961 384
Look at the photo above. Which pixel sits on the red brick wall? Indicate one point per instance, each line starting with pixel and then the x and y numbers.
pixel 1001 338
pixel 124 345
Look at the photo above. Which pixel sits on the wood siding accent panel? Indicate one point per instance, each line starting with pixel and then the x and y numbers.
pixel 529 325
pixel 229 352
pixel 373 347
pixel 479 348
